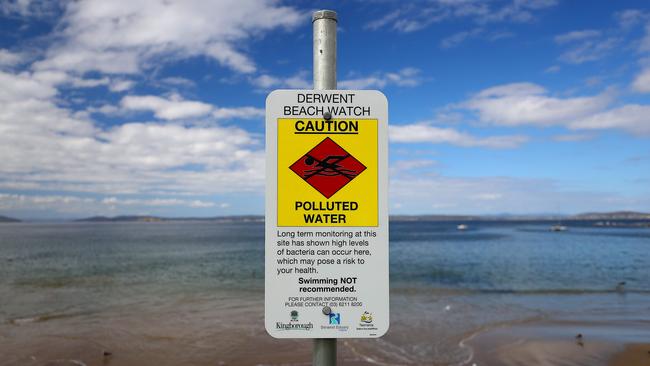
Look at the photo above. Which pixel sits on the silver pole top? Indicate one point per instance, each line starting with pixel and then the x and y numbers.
pixel 324 14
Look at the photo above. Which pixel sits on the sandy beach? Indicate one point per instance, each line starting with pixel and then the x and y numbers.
pixel 228 330
pixel 633 355
pixel 562 343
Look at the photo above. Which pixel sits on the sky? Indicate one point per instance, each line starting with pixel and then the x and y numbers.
pixel 156 107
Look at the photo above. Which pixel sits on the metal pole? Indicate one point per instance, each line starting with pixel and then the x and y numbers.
pixel 324 352
pixel 324 24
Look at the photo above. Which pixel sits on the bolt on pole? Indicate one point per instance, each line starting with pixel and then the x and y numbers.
pixel 324 25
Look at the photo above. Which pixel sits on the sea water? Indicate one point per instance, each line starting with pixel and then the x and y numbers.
pixel 192 292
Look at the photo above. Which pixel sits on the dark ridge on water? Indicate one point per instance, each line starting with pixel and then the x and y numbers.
pixel 242 218
pixel 8 219
pixel 622 218
pixel 619 215
pixel 590 216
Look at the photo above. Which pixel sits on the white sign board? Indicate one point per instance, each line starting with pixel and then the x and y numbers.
pixel 326 214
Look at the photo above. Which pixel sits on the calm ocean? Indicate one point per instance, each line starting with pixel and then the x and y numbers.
pixel 192 292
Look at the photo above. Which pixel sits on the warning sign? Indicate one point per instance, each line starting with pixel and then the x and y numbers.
pixel 327 177
pixel 326 272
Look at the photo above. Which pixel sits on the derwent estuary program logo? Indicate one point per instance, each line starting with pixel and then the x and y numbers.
pixel 335 318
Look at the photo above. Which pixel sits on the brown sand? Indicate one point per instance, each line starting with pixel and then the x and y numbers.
pixel 557 343
pixel 225 331
pixel 633 355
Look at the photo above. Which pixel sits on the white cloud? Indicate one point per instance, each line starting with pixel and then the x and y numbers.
pixel 488 196
pixel 573 137
pixel 297 81
pixel 120 85
pixel 480 32
pixel 46 147
pixel 12 200
pixel 458 38
pixel 80 204
pixel 29 8
pixel 8 58
pixel 412 17
pixel 104 109
pixel 641 82
pixel 156 202
pixel 17 87
pixel 425 133
pixel 123 36
pixel 387 19
pixel 527 103
pixel 585 45
pixel 57 78
pixel 644 45
pixel 589 50
pixel 173 108
pixel 630 17
pixel 577 36
pixel 228 56
pixel 552 69
pixel 631 117
pixel 89 83
pixel 241 112
pixel 419 194
pixel 178 81
pixel 519 11
pixel 406 77
pixel 408 166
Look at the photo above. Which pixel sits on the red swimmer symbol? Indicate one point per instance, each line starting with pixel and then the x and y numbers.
pixel 327 167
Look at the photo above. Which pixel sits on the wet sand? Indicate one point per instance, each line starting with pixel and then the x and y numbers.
pixel 227 329
pixel 567 343
pixel 632 355
pixel 214 332
pixel 130 341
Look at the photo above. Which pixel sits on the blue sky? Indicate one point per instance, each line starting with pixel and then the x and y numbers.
pixel 156 107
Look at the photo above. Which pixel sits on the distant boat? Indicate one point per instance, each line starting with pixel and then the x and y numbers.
pixel 461 227
pixel 558 227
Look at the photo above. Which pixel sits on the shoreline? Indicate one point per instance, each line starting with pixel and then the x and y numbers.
pixel 192 331
pixel 561 342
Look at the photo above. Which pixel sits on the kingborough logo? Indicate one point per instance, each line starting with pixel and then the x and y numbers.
pixel 293 323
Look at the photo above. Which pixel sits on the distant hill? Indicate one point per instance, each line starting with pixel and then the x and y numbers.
pixel 618 215
pixel 8 219
pixel 436 218
pixel 588 216
pixel 245 218
pixel 122 219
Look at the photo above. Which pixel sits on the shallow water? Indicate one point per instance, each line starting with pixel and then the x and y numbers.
pixel 192 292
